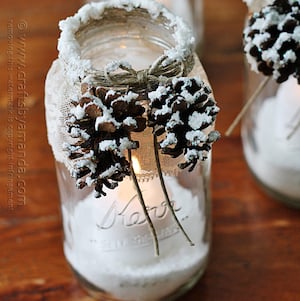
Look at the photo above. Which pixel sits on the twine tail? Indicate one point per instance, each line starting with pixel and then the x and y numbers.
pixel 142 202
pixel 246 106
pixel 165 190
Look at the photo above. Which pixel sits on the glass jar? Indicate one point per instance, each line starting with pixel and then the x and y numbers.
pixel 190 10
pixel 271 139
pixel 108 242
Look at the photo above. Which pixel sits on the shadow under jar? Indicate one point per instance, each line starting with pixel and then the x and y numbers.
pixel 108 243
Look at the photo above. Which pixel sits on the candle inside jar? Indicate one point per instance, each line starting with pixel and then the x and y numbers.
pixel 118 243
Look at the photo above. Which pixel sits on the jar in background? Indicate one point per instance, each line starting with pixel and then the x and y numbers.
pixel 271 139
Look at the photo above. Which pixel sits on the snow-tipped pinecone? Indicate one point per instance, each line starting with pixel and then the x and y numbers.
pixel 102 121
pixel 182 110
pixel 272 40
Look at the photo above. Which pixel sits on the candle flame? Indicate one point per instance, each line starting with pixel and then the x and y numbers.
pixel 136 164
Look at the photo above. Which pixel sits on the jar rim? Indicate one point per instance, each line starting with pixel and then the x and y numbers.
pixel 70 49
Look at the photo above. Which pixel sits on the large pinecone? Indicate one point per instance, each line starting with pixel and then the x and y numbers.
pixel 181 111
pixel 102 121
pixel 272 40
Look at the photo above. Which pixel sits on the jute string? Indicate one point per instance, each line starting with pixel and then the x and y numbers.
pixel 158 72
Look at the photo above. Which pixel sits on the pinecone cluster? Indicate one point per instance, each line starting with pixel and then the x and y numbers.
pixel 102 121
pixel 180 112
pixel 272 40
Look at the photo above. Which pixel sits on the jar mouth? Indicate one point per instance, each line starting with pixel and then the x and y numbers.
pixel 94 20
pixel 120 30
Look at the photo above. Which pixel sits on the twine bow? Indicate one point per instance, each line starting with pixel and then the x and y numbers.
pixel 160 71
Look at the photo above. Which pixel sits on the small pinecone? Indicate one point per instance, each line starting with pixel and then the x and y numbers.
pixel 182 110
pixel 102 121
pixel 271 39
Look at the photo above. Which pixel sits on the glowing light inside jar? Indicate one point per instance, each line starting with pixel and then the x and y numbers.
pixel 136 165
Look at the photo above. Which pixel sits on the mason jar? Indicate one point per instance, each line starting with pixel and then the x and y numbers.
pixel 271 137
pixel 148 237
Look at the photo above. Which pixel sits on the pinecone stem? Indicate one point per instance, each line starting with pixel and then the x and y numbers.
pixel 142 202
pixel 247 106
pixel 163 186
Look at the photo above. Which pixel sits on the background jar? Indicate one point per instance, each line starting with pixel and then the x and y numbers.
pixel 271 144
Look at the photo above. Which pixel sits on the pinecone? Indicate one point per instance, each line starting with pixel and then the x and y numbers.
pixel 272 42
pixel 102 121
pixel 182 110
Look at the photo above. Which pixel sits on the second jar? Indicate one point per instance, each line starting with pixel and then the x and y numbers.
pixel 271 137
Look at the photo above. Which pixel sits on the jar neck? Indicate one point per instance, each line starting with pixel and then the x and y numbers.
pixel 141 35
pixel 132 37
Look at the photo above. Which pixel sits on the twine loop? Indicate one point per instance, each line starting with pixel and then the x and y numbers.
pixel 142 77
pixel 121 75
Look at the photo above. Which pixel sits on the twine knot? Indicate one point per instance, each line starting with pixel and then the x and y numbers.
pixel 121 75
pixel 142 77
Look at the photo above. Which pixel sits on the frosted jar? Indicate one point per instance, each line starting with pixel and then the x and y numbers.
pixel 271 147
pixel 107 241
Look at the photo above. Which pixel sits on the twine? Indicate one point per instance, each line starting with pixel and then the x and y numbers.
pixel 158 72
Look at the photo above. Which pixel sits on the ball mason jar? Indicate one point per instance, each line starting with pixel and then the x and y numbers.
pixel 271 137
pixel 108 242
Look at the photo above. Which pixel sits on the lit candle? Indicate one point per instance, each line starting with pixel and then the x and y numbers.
pixel 119 245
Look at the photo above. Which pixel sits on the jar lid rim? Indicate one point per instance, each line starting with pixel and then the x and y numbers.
pixel 70 50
